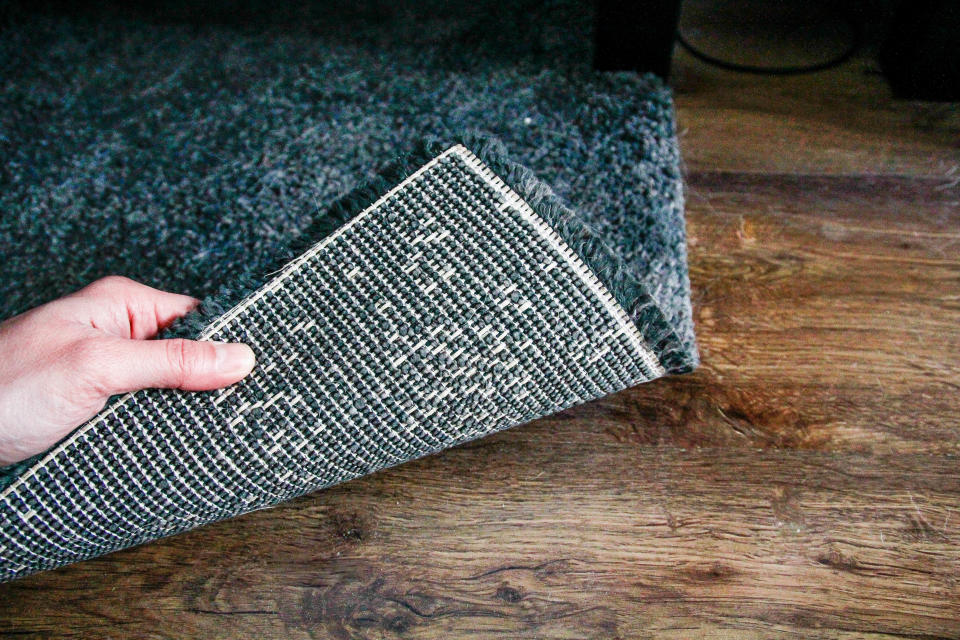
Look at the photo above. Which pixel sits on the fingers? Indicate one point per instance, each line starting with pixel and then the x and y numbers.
pixel 128 309
pixel 129 365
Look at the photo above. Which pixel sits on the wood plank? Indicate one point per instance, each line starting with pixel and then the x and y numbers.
pixel 529 534
pixel 827 310
pixel 841 121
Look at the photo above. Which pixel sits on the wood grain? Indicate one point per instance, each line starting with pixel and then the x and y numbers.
pixel 530 534
pixel 805 482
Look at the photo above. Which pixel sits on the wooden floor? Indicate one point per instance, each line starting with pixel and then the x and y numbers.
pixel 805 482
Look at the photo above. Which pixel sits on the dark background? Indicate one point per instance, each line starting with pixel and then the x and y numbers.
pixel 915 40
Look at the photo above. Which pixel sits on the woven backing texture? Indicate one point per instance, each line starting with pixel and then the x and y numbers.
pixel 445 311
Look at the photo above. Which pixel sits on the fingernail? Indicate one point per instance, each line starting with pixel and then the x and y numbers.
pixel 234 358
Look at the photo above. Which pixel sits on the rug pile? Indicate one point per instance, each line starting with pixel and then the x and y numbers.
pixel 426 236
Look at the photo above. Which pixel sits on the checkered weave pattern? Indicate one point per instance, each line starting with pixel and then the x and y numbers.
pixel 445 311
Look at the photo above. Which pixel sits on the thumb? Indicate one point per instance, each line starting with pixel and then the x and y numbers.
pixel 130 365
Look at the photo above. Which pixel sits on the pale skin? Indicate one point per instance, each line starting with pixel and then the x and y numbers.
pixel 60 362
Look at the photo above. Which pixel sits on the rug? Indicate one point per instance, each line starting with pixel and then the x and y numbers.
pixel 196 159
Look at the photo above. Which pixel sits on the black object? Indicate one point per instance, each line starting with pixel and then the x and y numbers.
pixel 786 70
pixel 635 36
pixel 921 56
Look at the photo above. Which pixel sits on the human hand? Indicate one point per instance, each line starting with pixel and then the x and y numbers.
pixel 60 362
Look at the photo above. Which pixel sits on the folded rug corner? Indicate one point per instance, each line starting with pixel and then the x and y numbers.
pixel 451 297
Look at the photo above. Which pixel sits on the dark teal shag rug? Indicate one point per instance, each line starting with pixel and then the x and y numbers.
pixel 197 156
